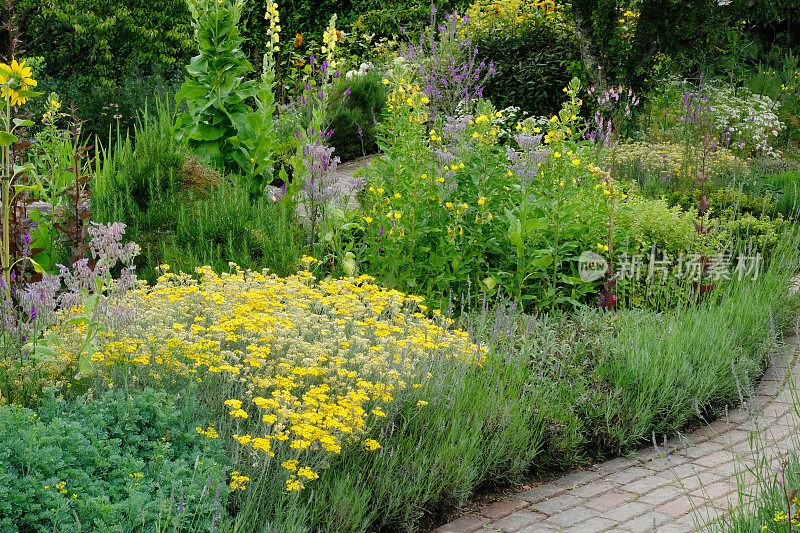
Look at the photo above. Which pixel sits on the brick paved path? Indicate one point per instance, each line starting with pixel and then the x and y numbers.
pixel 689 481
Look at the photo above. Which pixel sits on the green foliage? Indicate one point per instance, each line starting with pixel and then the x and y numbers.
pixel 100 42
pixel 652 222
pixel 534 57
pixel 106 57
pixel 139 177
pixel 386 18
pixel 784 188
pixel 220 126
pixel 760 234
pixel 116 461
pixel 531 69
pixel 185 214
pixel 352 118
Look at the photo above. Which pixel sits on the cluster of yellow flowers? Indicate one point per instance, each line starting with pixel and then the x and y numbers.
pixel 238 481
pixel 15 80
pixel 274 29
pixel 209 432
pixel 329 38
pixel 52 107
pixel 486 131
pixel 304 368
pixel 628 17
pixel 507 15
pixel 410 99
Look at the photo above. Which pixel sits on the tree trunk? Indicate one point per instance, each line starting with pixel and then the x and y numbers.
pixel 590 52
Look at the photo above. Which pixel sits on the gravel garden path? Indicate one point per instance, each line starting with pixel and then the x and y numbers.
pixel 673 487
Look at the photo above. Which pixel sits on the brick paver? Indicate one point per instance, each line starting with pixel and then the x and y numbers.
pixel 689 481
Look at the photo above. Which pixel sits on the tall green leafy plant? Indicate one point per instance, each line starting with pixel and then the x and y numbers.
pixel 220 125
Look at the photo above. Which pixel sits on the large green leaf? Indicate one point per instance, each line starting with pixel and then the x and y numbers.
pixel 206 132
pixel 41 352
pixel 7 139
pixel 85 364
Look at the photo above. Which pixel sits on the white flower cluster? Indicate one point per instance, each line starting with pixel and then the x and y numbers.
pixel 745 120
pixel 362 69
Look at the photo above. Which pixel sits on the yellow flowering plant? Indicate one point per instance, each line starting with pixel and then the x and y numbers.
pixel 450 209
pixel 15 88
pixel 510 16
pixel 299 382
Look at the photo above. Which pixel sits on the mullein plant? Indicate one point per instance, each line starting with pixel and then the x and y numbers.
pixel 220 125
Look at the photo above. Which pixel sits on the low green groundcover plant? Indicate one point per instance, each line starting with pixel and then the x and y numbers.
pixel 123 459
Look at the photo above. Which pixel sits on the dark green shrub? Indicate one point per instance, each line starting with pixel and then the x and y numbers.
pixel 353 118
pixel 533 65
pixel 100 53
pixel 96 42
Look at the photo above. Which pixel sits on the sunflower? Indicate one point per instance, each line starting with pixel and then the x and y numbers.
pixel 15 79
